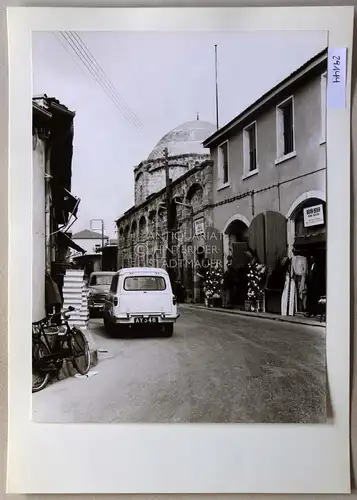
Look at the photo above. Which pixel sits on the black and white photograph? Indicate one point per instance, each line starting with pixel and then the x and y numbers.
pixel 179 227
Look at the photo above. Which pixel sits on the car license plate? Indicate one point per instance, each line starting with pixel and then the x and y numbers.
pixel 151 319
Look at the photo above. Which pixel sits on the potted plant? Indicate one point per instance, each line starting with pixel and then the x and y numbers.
pixel 255 294
pixel 212 287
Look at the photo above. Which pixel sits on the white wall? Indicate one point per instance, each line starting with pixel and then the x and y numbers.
pixel 88 244
pixel 38 232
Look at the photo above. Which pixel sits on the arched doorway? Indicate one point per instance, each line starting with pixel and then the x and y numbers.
pixel 268 243
pixel 235 239
pixel 307 240
pixel 235 247
pixel 194 196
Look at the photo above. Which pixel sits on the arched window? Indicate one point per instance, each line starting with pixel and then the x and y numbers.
pixel 142 227
pixel 126 234
pixel 133 230
pixel 195 196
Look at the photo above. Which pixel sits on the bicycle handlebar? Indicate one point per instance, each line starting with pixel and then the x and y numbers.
pixel 50 317
pixel 61 313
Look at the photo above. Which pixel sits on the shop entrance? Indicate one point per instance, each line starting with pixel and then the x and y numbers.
pixel 236 235
pixel 309 254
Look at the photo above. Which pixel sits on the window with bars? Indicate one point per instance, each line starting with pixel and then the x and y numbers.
pixel 223 164
pixel 323 106
pixel 285 128
pixel 250 149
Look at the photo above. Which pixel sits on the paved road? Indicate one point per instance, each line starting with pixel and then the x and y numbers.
pixel 217 367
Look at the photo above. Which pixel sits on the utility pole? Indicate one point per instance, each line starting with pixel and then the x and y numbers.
pixel 168 211
pixel 102 235
pixel 102 244
pixel 216 78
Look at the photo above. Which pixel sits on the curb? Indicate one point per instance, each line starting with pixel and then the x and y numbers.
pixel 282 319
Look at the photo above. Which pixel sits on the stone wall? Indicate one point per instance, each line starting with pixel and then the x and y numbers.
pixel 149 176
pixel 142 232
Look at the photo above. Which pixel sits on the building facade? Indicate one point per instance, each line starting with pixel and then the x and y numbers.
pixel 143 229
pixel 184 145
pixel 269 175
pixel 53 203
pixel 90 241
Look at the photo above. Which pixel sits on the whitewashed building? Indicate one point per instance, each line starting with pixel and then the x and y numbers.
pixel 53 203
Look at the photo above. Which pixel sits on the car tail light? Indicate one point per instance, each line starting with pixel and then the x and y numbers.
pixel 174 301
pixel 115 301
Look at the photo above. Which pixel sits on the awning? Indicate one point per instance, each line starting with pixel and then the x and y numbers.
pixel 70 202
pixel 69 243
pixel 310 239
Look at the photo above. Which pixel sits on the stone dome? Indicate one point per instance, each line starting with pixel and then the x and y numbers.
pixel 184 139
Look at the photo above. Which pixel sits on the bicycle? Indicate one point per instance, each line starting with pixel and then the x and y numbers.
pixel 69 343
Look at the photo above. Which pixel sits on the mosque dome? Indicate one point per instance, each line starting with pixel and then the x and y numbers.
pixel 184 139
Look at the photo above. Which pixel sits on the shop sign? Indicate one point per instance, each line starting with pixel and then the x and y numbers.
pixel 199 226
pixel 313 216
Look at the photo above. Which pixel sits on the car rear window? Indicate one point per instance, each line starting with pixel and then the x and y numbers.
pixel 146 283
pixel 101 279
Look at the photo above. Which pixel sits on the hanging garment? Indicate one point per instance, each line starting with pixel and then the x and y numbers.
pixel 288 298
pixel 302 286
pixel 299 264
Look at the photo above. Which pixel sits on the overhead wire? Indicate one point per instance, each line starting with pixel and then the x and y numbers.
pixel 75 36
pixel 98 79
pixel 93 67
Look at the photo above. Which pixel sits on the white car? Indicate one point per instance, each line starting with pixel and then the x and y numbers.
pixel 141 296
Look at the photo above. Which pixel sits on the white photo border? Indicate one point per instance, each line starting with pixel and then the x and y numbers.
pixel 175 458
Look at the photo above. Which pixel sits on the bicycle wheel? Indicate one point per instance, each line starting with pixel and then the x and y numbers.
pixel 80 351
pixel 40 377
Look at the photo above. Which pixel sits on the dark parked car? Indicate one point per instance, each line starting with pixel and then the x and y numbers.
pixel 98 287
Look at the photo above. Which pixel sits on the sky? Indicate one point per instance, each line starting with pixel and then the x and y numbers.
pixel 160 80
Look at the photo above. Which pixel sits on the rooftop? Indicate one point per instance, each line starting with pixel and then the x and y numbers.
pixel 187 138
pixel 86 234
pixel 309 68
pixel 45 103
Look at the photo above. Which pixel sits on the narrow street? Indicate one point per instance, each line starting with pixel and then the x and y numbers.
pixel 217 367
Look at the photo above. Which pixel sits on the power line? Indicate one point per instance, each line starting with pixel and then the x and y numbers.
pixel 93 60
pixel 99 76
pixel 99 80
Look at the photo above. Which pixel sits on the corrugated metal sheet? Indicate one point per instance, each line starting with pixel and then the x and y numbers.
pixel 75 295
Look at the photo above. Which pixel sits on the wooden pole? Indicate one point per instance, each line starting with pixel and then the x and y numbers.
pixel 216 77
pixel 102 242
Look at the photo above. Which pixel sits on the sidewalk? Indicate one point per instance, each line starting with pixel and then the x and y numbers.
pixel 300 319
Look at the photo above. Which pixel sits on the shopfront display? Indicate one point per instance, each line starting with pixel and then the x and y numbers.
pixel 309 260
